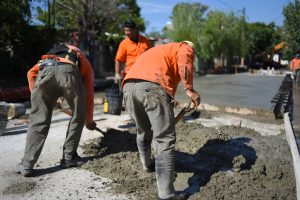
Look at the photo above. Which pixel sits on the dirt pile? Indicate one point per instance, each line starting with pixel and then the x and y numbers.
pixel 227 162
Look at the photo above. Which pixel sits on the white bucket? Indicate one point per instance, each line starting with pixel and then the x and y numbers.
pixel 16 110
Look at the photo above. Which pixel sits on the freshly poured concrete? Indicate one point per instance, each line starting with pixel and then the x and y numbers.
pixel 235 90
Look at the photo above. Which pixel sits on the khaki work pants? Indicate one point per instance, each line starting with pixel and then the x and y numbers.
pixel 151 108
pixel 54 82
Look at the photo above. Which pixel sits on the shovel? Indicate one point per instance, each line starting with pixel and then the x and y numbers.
pixel 69 112
pixel 183 111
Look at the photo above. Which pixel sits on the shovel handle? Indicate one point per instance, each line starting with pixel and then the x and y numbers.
pixel 69 112
pixel 99 130
pixel 182 112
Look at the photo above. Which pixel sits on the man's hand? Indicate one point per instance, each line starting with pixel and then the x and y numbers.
pixel 61 100
pixel 90 125
pixel 117 78
pixel 194 96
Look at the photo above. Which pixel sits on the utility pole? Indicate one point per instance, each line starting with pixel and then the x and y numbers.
pixel 243 37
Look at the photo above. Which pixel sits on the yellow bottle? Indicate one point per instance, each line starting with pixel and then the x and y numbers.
pixel 105 105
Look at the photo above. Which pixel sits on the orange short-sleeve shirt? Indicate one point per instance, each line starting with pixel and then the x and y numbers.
pixel 166 65
pixel 128 51
pixel 295 64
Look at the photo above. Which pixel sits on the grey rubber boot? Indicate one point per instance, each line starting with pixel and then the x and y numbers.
pixel 20 169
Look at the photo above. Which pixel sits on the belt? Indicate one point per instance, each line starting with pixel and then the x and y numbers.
pixel 51 62
pixel 132 80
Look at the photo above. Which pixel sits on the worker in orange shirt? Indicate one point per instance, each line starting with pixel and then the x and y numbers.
pixel 63 72
pixel 129 49
pixel 149 89
pixel 295 67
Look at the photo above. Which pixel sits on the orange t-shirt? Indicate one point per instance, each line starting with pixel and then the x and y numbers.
pixel 129 51
pixel 295 64
pixel 166 65
pixel 87 73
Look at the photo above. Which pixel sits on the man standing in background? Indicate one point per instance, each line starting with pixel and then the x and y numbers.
pixel 295 67
pixel 129 49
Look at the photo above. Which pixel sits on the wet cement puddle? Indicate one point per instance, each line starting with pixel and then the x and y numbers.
pixel 211 163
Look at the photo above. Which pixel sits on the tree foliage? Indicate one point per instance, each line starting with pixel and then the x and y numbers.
pixel 91 16
pixel 222 35
pixel 20 43
pixel 187 22
pixel 291 14
pixel 261 38
pixel 96 21
pixel 216 35
pixel 14 16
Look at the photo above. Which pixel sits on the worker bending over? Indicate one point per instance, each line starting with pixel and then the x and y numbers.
pixel 63 72
pixel 149 89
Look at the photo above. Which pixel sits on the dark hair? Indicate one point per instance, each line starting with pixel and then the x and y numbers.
pixel 129 24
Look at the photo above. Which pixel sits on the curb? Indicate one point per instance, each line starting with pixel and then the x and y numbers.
pixel 229 109
pixel 236 110
pixel 294 150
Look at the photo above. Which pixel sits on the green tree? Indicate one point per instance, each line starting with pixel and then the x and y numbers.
pixel 222 37
pixel 261 38
pixel 187 23
pixel 92 19
pixel 14 28
pixel 14 16
pixel 291 14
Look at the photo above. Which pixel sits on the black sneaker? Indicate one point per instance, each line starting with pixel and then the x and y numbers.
pixel 76 161
pixel 20 169
pixel 176 197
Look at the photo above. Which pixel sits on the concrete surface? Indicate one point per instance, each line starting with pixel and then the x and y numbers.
pixel 241 90
pixel 236 90
pixel 51 181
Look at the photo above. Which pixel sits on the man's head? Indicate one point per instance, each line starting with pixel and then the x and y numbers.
pixel 298 55
pixel 130 30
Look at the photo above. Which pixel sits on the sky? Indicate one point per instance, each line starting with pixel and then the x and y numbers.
pixel 157 13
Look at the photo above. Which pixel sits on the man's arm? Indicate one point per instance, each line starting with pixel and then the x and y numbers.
pixel 88 77
pixel 118 69
pixel 31 76
pixel 186 72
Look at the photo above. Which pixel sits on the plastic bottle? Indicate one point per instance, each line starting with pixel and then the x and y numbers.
pixel 105 105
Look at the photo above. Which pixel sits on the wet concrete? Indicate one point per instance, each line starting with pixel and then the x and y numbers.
pixel 236 90
pixel 255 165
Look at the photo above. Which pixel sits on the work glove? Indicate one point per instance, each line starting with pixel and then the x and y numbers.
pixel 90 125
